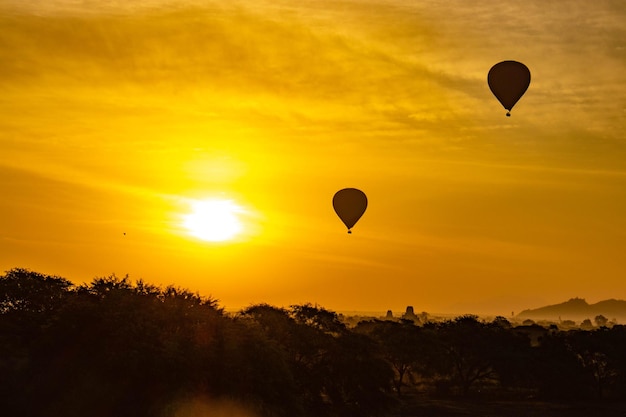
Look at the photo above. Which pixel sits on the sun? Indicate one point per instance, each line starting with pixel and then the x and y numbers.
pixel 213 220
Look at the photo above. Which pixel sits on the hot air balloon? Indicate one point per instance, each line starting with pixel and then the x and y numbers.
pixel 350 204
pixel 508 81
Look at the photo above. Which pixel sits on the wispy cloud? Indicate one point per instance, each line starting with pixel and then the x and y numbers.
pixel 286 100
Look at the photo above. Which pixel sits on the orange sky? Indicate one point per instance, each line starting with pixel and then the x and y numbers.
pixel 113 118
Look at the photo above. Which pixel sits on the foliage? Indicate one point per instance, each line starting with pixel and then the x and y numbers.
pixel 117 347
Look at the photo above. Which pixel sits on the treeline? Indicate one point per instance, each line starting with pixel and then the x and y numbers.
pixel 115 347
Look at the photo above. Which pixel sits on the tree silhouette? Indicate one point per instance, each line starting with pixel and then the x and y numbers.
pixel 117 347
pixel 470 350
pixel 400 344
pixel 600 320
pixel 335 371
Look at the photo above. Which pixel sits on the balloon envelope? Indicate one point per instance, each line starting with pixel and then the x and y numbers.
pixel 508 81
pixel 350 204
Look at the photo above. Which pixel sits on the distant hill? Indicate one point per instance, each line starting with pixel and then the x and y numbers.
pixel 578 309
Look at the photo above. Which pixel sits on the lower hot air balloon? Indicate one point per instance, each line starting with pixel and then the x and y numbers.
pixel 349 204
pixel 508 81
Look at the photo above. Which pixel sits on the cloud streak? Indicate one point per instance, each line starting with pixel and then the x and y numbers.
pixel 285 102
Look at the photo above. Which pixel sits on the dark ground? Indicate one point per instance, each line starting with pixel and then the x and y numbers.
pixel 484 408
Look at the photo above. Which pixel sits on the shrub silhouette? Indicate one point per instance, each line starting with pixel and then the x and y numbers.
pixel 116 347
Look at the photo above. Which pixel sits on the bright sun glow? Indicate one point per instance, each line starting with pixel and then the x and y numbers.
pixel 214 220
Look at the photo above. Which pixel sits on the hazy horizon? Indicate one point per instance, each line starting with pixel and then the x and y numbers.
pixel 491 308
pixel 119 120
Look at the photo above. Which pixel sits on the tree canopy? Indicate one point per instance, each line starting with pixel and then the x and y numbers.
pixel 117 347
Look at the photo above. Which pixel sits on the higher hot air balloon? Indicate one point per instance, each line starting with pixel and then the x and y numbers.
pixel 350 204
pixel 508 81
